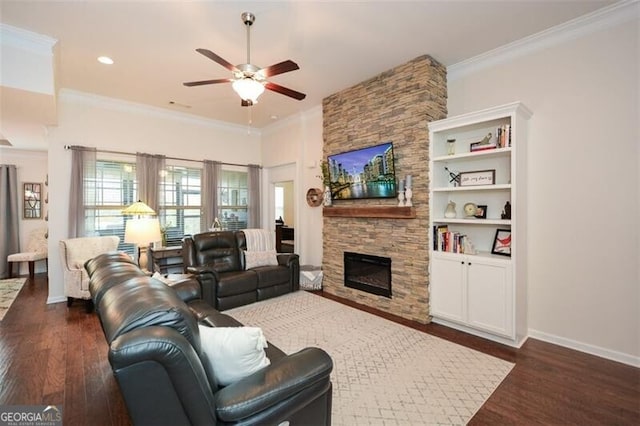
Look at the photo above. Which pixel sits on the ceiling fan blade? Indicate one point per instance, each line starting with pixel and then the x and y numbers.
pixel 285 91
pixel 280 68
pixel 209 54
pixel 203 82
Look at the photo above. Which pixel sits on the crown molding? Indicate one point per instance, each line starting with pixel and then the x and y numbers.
pixel 606 17
pixel 133 107
pixel 27 40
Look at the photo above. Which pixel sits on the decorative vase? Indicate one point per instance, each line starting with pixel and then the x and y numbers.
pixel 450 211
pixel 451 146
pixel 327 196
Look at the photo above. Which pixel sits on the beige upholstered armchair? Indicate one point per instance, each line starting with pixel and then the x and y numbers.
pixel 74 253
pixel 36 250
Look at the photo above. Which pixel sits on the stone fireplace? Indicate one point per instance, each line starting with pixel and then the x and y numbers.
pixel 393 106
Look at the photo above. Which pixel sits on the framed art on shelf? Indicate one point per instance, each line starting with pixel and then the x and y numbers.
pixel 502 242
pixel 481 212
pixel 479 177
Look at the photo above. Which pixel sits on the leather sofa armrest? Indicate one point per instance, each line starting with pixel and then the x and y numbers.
pixel 305 371
pixel 188 289
pixel 287 259
pixel 291 261
pixel 208 279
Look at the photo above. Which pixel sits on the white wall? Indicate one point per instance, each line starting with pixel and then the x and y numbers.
pixel 114 125
pixel 298 141
pixel 31 166
pixel 584 275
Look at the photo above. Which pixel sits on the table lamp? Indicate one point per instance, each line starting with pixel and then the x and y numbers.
pixel 140 230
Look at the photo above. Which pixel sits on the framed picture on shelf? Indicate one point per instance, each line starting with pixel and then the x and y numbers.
pixel 479 177
pixel 481 212
pixel 502 242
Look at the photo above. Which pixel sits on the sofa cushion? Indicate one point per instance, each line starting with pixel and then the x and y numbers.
pixel 272 275
pixel 253 259
pixel 236 282
pixel 233 352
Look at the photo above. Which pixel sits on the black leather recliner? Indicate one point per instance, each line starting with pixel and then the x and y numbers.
pixel 217 260
pixel 156 357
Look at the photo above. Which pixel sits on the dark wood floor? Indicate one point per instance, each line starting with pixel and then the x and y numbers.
pixel 54 355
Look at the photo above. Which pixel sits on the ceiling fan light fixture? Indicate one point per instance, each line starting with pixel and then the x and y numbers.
pixel 248 89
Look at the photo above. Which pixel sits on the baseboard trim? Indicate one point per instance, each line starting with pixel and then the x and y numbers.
pixel 584 347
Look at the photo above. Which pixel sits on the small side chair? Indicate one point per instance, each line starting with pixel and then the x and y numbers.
pixel 36 250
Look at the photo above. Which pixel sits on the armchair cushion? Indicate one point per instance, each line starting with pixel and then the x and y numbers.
pixel 233 352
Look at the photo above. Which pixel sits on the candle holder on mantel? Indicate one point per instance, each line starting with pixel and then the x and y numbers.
pixel 408 195
pixel 400 198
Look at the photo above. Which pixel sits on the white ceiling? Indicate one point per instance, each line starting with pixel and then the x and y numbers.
pixel 336 44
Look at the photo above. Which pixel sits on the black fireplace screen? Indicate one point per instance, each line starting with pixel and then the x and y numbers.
pixel 368 273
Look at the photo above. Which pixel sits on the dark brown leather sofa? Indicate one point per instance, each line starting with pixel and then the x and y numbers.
pixel 156 356
pixel 217 260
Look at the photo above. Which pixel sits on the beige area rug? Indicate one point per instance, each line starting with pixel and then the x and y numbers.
pixel 9 290
pixel 384 373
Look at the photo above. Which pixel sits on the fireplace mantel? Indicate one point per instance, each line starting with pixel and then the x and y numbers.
pixel 383 212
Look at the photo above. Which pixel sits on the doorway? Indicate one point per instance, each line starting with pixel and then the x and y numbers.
pixel 285 216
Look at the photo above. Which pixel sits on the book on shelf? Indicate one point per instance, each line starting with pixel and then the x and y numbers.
pixel 448 241
pixel 503 133
pixel 476 147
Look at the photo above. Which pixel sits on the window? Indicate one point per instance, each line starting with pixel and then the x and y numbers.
pixel 232 199
pixel 180 203
pixel 113 189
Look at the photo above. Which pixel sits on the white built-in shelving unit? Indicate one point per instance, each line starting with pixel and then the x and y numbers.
pixel 480 292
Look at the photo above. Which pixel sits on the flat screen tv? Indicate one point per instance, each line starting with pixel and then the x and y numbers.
pixel 363 173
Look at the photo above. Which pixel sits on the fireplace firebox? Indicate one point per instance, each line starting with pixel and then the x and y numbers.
pixel 368 273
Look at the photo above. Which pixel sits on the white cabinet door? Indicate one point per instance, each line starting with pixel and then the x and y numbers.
pixel 448 298
pixel 490 296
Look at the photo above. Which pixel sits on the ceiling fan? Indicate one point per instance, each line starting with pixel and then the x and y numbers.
pixel 249 81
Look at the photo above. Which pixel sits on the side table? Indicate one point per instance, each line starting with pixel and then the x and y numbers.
pixel 166 260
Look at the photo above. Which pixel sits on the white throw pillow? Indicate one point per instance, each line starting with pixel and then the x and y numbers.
pixel 158 276
pixel 253 259
pixel 233 352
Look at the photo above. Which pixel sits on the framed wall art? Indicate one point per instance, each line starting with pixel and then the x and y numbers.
pixel 479 177
pixel 502 242
pixel 32 204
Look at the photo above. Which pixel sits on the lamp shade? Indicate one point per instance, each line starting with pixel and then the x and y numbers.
pixel 139 208
pixel 248 89
pixel 142 231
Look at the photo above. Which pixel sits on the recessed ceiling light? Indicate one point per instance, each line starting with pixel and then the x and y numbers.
pixel 274 117
pixel 105 60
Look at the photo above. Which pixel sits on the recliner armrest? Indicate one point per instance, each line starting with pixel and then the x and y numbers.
pixel 208 279
pixel 188 289
pixel 288 259
pixel 290 376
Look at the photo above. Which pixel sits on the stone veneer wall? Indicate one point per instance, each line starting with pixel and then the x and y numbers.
pixel 393 106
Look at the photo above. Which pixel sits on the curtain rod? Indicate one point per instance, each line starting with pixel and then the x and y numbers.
pixel 68 147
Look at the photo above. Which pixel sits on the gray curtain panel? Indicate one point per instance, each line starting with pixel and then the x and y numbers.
pixel 254 196
pixel 83 173
pixel 210 177
pixel 148 168
pixel 9 215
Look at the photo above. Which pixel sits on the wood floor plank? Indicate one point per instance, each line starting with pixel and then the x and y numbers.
pixel 51 354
